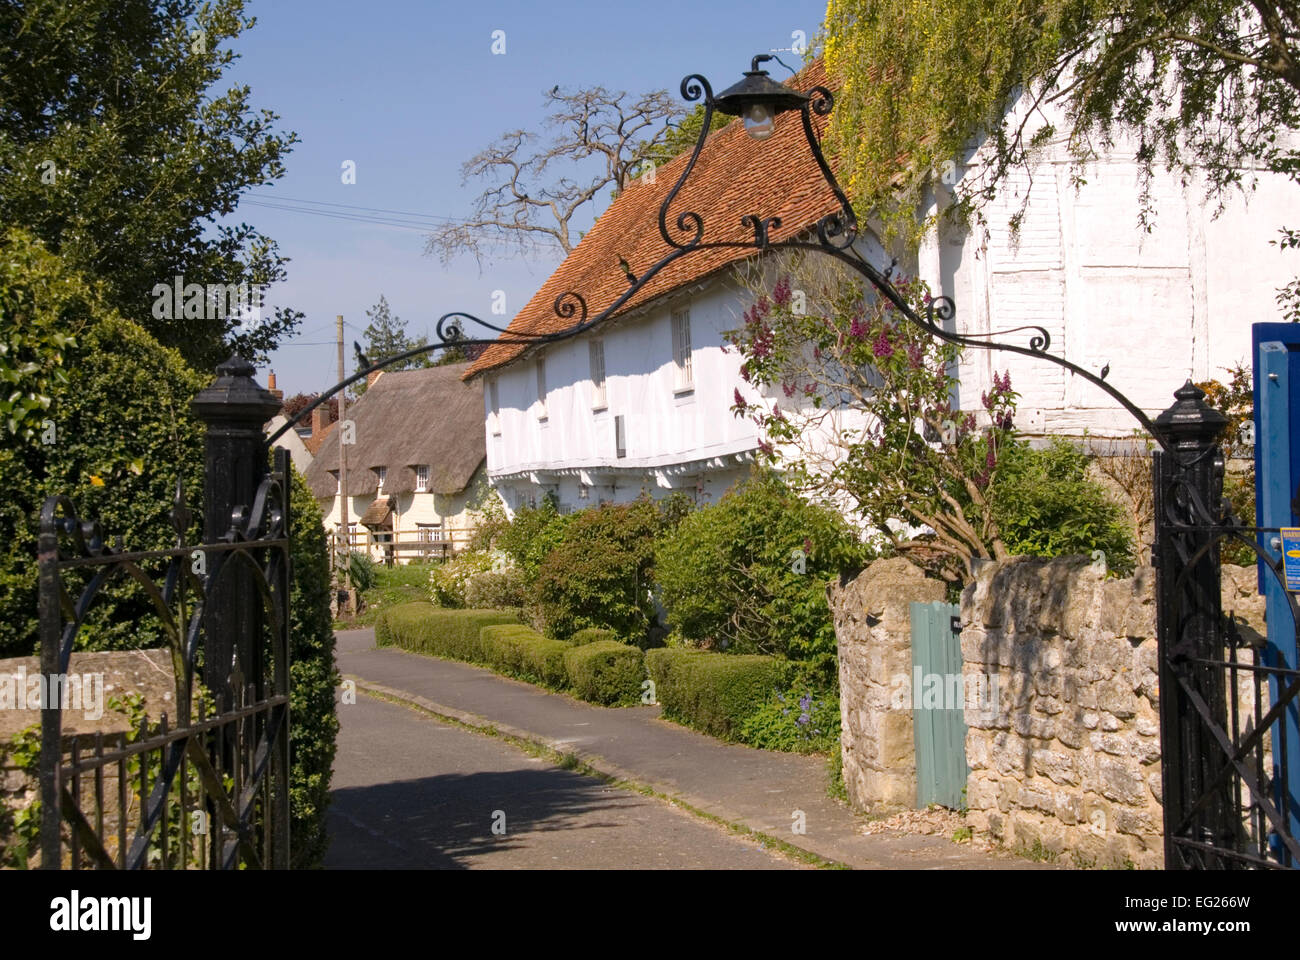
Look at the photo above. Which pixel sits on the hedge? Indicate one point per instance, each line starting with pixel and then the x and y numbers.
pixel 452 634
pixel 606 672
pixel 524 653
pixel 712 692
pixel 591 635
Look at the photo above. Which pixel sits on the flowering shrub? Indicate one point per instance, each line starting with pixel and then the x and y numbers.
pixel 800 719
pixel 448 581
pixel 865 410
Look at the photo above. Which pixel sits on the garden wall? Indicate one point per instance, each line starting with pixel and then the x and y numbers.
pixel 1070 759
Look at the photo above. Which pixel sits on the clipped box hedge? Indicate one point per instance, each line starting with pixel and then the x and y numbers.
pixel 591 635
pixel 452 634
pixel 606 672
pixel 524 653
pixel 711 692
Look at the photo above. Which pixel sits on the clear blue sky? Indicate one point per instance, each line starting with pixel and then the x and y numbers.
pixel 409 91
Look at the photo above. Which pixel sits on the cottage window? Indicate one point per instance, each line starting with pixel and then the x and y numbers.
pixel 541 389
pixel 338 483
pixel 421 478
pixel 681 322
pixel 620 437
pixel 596 349
pixel 381 474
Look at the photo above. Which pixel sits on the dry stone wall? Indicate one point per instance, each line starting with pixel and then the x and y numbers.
pixel 1070 759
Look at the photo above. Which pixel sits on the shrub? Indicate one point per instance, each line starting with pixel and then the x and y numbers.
pixel 730 578
pixel 591 635
pixel 361 571
pixel 712 692
pixel 530 537
pixel 524 653
pixel 599 573
pixel 1046 505
pixel 313 678
pixel 605 672
pixel 447 581
pixel 495 590
pixel 802 718
pixel 452 634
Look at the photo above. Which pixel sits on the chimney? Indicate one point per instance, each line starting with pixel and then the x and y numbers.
pixel 372 376
pixel 320 419
pixel 270 386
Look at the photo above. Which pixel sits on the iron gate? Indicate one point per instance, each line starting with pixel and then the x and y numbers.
pixel 207 787
pixel 1221 700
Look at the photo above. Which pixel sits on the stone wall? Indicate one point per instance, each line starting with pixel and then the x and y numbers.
pixel 1070 760
pixel 147 673
pixel 873 629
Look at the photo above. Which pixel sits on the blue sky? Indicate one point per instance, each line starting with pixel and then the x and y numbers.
pixel 408 91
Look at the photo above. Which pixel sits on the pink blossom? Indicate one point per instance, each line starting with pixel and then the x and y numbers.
pixel 740 401
pixel 788 388
pixel 882 346
pixel 781 293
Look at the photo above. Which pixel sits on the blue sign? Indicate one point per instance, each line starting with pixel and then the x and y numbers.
pixel 1291 557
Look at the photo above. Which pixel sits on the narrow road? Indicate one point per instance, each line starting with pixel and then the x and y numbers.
pixel 413 792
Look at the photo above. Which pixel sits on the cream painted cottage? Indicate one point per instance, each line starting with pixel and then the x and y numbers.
pixel 413 469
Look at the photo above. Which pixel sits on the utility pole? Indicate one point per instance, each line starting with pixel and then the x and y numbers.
pixel 343 462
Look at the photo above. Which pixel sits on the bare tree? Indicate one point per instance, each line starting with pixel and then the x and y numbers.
pixel 537 184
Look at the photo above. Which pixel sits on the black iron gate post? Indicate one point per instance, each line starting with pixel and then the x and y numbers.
pixel 235 462
pixel 1188 484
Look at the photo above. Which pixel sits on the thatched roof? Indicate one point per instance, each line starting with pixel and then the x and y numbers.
pixel 405 418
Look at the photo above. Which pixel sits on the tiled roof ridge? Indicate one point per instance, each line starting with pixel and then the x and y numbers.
pixel 733 176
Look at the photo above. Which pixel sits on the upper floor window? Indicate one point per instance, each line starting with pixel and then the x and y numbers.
pixel 494 398
pixel 338 481
pixel 596 350
pixel 681 322
pixel 381 474
pixel 421 478
pixel 541 388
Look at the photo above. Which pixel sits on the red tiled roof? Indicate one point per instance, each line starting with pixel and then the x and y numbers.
pixel 735 175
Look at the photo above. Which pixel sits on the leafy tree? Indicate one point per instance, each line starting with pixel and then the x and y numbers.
pixel 118 153
pixel 386 337
pixel 1200 86
pixel 678 139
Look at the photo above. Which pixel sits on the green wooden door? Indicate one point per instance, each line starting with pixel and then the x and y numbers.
pixel 938 705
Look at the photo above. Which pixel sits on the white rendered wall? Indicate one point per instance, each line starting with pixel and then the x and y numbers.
pixel 1158 307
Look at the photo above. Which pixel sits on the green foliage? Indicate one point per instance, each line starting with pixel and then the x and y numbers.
pixel 448 580
pixel 835 787
pixel 591 635
pixel 495 590
pixel 1047 506
pixel 1202 87
pixel 43 306
pixel 522 652
pixel 605 672
pixel 1236 401
pixel 711 692
pixel 802 718
pixel 123 141
pixel 679 139
pixel 313 678
pixel 452 634
pixel 20 829
pixel 598 575
pixel 400 583
pixel 361 570
pixel 731 579
pixel 386 337
pixel 896 453
pixel 532 535
pixel 123 436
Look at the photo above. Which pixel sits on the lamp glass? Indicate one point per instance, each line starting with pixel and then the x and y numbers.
pixel 759 121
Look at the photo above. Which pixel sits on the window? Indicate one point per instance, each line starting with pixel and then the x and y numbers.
pixel 494 397
pixel 620 437
pixel 381 474
pixel 541 389
pixel 421 477
pixel 338 483
pixel 596 349
pixel 681 322
pixel 429 532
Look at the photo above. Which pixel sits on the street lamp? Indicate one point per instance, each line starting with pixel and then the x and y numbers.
pixel 757 100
